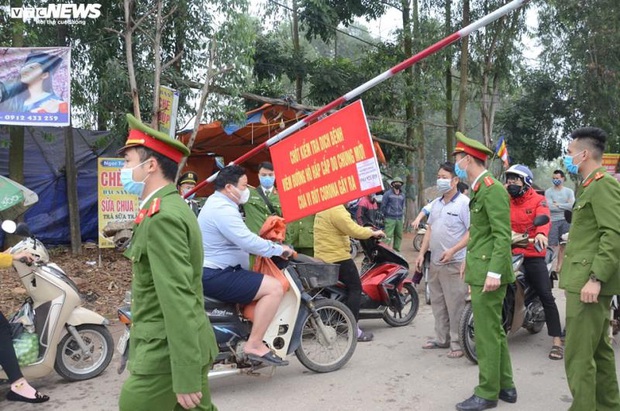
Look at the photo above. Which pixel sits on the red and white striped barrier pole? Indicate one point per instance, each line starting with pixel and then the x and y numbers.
pixel 465 31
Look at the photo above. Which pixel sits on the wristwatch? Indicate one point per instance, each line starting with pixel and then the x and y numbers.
pixel 593 278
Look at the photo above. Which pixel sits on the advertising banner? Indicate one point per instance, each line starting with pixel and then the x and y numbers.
pixel 326 164
pixel 115 204
pixel 610 161
pixel 35 86
pixel 168 104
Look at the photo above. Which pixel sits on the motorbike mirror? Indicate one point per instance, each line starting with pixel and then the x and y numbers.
pixel 568 216
pixel 23 230
pixel 541 220
pixel 9 226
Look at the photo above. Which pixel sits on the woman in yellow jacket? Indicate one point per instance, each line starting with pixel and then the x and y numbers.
pixel 20 389
pixel 332 231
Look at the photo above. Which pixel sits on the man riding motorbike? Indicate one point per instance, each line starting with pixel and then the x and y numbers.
pixel 227 242
pixel 525 205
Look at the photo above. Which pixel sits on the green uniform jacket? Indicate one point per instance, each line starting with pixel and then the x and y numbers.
pixel 300 233
pixel 488 248
pixel 594 239
pixel 256 211
pixel 170 333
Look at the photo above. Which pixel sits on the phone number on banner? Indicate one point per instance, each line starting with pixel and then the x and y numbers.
pixel 34 118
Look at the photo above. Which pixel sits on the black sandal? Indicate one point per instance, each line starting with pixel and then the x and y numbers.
pixel 268 359
pixel 556 353
pixel 38 397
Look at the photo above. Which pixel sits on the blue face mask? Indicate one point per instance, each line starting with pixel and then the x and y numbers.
pixel 460 173
pixel 187 190
pixel 129 184
pixel 267 181
pixel 568 163
pixel 557 181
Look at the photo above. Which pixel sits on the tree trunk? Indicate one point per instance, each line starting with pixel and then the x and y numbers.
pixel 71 171
pixel 409 107
pixel 16 148
pixel 449 104
pixel 297 52
pixel 418 115
pixel 157 57
pixel 72 194
pixel 464 71
pixel 133 85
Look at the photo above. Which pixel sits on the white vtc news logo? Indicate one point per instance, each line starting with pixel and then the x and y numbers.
pixel 58 11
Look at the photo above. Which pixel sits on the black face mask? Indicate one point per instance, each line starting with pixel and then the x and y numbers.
pixel 397 186
pixel 515 190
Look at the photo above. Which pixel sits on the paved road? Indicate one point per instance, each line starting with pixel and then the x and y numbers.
pixel 392 372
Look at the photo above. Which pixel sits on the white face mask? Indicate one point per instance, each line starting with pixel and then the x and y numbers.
pixel 444 185
pixel 242 195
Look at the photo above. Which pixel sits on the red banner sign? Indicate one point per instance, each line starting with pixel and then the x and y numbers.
pixel 326 164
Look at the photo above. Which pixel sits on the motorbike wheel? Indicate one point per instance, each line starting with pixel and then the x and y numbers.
pixel 72 365
pixel 466 334
pixel 327 353
pixel 411 301
pixel 417 241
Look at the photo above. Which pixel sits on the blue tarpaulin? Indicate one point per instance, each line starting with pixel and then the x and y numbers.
pixel 44 173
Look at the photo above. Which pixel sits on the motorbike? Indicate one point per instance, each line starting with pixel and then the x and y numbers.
pixel 426 267
pixel 73 341
pixel 356 247
pixel 419 236
pixel 521 307
pixel 321 332
pixel 387 292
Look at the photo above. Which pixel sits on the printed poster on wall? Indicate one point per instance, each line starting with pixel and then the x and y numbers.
pixel 114 203
pixel 326 164
pixel 35 86
pixel 610 162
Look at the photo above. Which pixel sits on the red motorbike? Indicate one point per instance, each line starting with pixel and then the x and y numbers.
pixel 387 292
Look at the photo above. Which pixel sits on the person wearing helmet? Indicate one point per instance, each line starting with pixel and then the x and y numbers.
pixel 393 209
pixel 525 205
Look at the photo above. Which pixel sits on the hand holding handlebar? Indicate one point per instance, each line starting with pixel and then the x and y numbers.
pixel 378 234
pixel 24 257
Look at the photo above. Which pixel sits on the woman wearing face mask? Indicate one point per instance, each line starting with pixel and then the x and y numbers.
pixel 525 205
pixel 228 243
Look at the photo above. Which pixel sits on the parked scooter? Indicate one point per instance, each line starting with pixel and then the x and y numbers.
pixel 73 341
pixel 522 306
pixel 387 292
pixel 419 236
pixel 321 332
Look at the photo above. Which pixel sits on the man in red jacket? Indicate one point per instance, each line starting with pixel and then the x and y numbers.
pixel 525 205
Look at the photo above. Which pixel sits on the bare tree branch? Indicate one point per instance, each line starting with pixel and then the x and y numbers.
pixel 133 85
pixel 172 61
pixel 157 61
pixel 201 106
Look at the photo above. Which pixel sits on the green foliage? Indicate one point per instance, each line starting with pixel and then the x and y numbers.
pixel 321 17
pixel 529 122
pixel 331 78
pixel 582 52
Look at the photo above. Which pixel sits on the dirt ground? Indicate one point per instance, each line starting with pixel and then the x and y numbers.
pixel 102 276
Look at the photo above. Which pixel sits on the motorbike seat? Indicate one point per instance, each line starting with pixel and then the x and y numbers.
pixel 213 301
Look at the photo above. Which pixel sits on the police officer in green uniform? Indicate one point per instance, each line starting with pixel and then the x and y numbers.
pixel 488 270
pixel 172 344
pixel 265 201
pixel 185 184
pixel 591 275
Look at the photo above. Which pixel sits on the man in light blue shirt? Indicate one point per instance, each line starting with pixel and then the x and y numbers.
pixel 227 243
pixel 446 238
pixel 559 199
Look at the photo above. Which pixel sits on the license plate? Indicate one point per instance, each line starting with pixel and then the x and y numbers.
pixel 122 342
